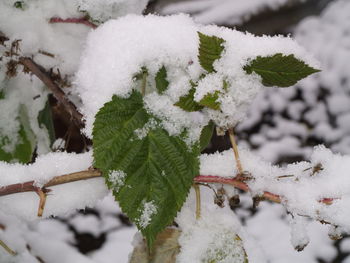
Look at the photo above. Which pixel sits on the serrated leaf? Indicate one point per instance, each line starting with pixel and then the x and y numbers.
pixel 206 135
pixel 45 120
pixel 166 248
pixel 25 146
pixel 149 176
pixel 161 80
pixel 210 49
pixel 187 102
pixel 210 101
pixel 279 70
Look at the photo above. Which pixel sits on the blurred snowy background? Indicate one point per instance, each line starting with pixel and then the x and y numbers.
pixel 283 126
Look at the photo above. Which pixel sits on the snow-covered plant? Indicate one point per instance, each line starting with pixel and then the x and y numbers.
pixel 150 90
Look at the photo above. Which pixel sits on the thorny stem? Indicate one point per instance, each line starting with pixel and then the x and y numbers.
pixel 42 191
pixel 235 151
pixel 93 173
pixel 82 21
pixel 198 201
pixel 41 73
pixel 9 250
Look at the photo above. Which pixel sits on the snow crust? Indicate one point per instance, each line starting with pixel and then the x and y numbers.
pixel 114 56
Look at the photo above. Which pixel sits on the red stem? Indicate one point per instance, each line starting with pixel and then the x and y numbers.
pixel 81 20
pixel 92 173
pixel 243 186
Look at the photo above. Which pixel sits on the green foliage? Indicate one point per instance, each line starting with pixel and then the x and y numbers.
pixel 24 147
pixel 279 70
pixel 187 102
pixel 210 100
pixel 19 4
pixel 45 120
pixel 161 80
pixel 210 49
pixel 157 170
pixel 206 135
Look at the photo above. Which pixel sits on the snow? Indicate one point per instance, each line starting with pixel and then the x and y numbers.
pixel 301 188
pixel 233 12
pixel 319 103
pixel 149 209
pixel 214 233
pixel 173 42
pixel 301 192
pixel 116 178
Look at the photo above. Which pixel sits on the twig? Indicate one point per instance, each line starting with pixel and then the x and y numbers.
pixel 58 93
pixel 144 82
pixel 82 21
pixel 62 179
pixel 42 195
pixel 198 201
pixel 93 173
pixel 235 151
pixel 8 250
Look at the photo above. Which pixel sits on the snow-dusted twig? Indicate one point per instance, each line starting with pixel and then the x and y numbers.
pixel 81 20
pixel 62 179
pixel 41 73
pixel 92 173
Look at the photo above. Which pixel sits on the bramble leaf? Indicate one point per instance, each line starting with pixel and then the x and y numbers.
pixel 279 70
pixel 187 102
pixel 161 80
pixel 210 49
pixel 210 101
pixel 150 175
pixel 207 133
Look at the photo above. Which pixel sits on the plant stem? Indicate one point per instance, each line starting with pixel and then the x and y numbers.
pixel 41 73
pixel 93 173
pixel 62 179
pixel 235 151
pixel 144 83
pixel 9 250
pixel 82 21
pixel 198 201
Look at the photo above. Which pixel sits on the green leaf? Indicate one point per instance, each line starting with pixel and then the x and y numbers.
pixel 207 133
pixel 279 70
pixel 19 5
pixel 45 120
pixel 210 49
pixel 161 80
pixel 2 95
pixel 210 100
pixel 25 146
pixel 188 103
pixel 150 176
